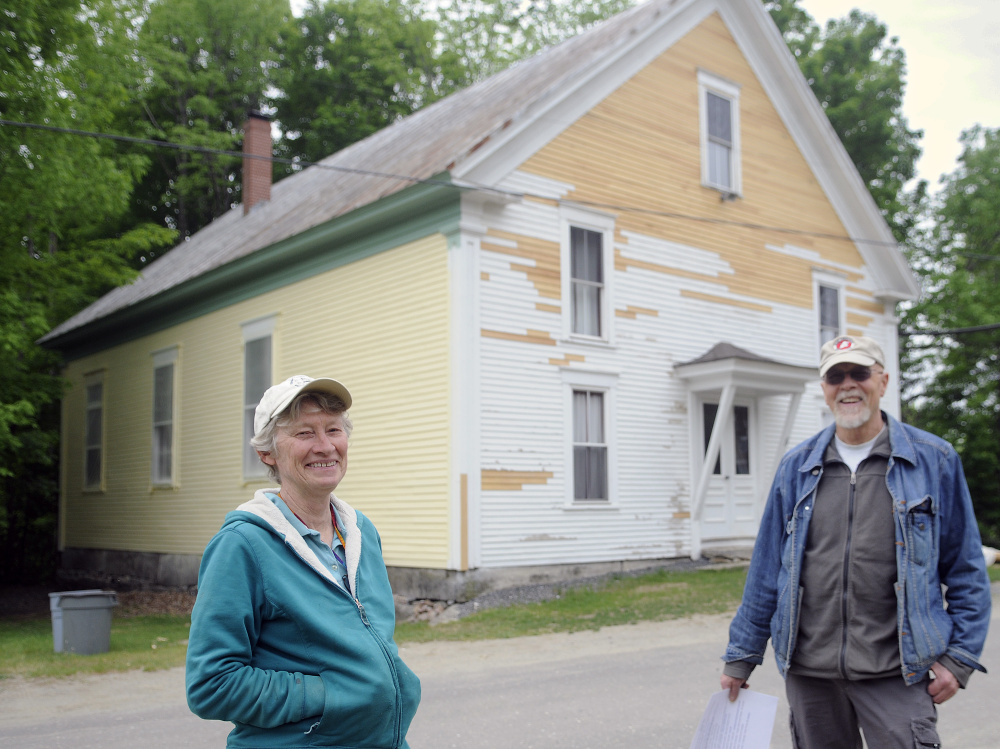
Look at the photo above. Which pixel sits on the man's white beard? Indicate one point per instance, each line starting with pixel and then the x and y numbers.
pixel 856 418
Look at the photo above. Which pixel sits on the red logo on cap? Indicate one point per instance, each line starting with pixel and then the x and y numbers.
pixel 843 345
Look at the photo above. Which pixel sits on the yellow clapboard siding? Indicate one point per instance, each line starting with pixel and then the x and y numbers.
pixel 380 324
pixel 640 148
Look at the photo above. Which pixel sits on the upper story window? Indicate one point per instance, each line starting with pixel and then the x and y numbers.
pixel 93 462
pixel 587 262
pixel 587 274
pixel 257 377
pixel 829 313
pixel 829 305
pixel 164 364
pixel 720 133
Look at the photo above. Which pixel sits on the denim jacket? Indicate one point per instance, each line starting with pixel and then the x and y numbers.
pixel 937 544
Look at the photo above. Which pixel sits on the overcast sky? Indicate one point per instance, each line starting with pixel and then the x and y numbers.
pixel 953 58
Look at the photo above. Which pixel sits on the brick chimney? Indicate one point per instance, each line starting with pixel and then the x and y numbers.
pixel 256 161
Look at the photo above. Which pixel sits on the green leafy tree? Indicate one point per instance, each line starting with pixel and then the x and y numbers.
pixel 858 74
pixel 207 65
pixel 351 67
pixel 483 37
pixel 952 385
pixel 62 241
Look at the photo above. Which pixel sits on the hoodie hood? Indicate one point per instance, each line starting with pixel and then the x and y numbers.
pixel 264 513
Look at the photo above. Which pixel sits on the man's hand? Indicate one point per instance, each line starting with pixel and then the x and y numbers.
pixel 735 685
pixel 943 686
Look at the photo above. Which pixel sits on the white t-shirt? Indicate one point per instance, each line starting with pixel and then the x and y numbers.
pixel 854 454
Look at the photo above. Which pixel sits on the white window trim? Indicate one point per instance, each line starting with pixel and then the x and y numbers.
pixel 605 383
pixel 569 217
pixel 830 280
pixel 162 358
pixel 95 378
pixel 253 330
pixel 708 82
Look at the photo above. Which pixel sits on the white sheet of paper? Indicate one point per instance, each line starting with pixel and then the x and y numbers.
pixel 744 724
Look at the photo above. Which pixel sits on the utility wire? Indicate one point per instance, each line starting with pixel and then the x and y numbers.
pixel 951 331
pixel 444 183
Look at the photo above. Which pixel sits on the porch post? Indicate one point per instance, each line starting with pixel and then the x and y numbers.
pixel 712 453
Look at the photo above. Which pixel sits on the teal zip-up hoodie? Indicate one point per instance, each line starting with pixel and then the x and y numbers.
pixel 287 655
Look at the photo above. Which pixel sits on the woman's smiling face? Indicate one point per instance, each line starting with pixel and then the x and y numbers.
pixel 310 453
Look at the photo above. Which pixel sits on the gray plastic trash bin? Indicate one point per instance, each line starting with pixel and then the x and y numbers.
pixel 81 620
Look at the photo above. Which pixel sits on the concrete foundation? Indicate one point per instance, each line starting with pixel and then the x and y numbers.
pixel 129 569
pixel 132 569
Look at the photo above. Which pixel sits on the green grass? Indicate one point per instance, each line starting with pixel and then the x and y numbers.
pixel 143 642
pixel 157 642
pixel 655 597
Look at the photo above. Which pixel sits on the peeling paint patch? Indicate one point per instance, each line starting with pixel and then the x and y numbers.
pixel 499 480
pixel 723 300
pixel 547 537
pixel 852 276
pixel 682 515
pixel 864 304
pixel 545 256
pixel 529 336
pixel 565 361
pixel 856 318
pixel 631 312
pixel 484 276
pixel 543 307
pixel 624 263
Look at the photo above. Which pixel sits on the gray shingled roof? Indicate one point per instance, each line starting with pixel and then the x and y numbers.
pixel 724 350
pixel 427 143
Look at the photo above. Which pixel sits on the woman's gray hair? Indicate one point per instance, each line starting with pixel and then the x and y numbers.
pixel 266 440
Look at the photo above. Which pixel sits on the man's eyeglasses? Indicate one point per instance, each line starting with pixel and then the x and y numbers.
pixel 836 376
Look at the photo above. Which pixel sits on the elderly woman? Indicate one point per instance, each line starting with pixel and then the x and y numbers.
pixel 291 633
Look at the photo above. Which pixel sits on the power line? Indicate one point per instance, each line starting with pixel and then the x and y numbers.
pixel 951 331
pixel 457 185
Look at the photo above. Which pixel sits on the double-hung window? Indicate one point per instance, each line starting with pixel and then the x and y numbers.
pixel 828 298
pixel 257 375
pixel 587 265
pixel 590 446
pixel 591 476
pixel 587 273
pixel 164 363
pixel 720 133
pixel 93 462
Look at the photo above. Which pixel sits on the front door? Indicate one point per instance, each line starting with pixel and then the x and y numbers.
pixel 729 510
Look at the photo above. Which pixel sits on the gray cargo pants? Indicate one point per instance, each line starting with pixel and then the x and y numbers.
pixel 827 713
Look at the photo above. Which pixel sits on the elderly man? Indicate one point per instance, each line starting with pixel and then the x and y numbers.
pixel 867 522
